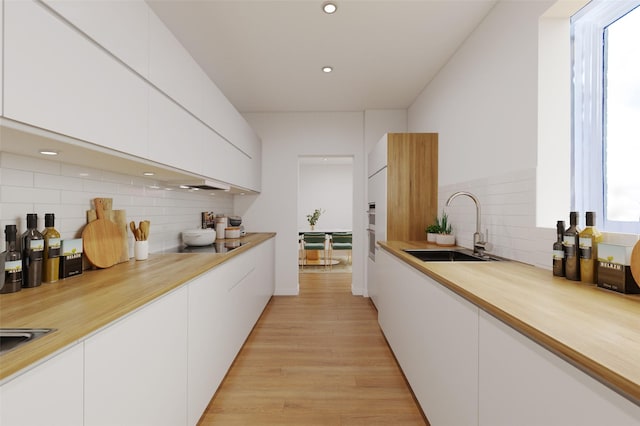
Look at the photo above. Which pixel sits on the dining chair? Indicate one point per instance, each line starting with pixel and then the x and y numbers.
pixel 341 241
pixel 314 241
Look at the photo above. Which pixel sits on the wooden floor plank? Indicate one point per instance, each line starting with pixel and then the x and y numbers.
pixel 315 359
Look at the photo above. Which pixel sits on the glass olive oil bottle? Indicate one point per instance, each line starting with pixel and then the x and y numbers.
pixel 32 251
pixel 589 239
pixel 13 263
pixel 571 244
pixel 558 251
pixel 51 270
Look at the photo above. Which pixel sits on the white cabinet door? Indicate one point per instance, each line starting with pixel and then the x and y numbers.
pixel 57 79
pixel 176 138
pixel 50 394
pixel 521 383
pixel 121 27
pixel 136 369
pixel 224 305
pixel 434 336
pixel 377 158
pixel 173 70
pixel 210 324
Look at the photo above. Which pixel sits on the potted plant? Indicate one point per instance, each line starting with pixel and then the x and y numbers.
pixel 445 237
pixel 313 217
pixel 432 231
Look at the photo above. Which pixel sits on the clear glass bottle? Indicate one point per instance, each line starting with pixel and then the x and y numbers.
pixel 571 242
pixel 32 253
pixel 589 239
pixel 558 251
pixel 12 263
pixel 51 236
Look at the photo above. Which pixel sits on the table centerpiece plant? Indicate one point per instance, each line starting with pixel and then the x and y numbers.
pixel 313 218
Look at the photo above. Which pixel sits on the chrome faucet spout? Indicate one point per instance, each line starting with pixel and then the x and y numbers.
pixel 479 243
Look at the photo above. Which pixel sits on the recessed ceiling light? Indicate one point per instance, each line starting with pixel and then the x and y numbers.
pixel 184 187
pixel 148 174
pixel 329 7
pixel 327 69
pixel 48 152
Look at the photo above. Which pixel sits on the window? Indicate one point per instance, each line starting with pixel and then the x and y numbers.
pixel 606 113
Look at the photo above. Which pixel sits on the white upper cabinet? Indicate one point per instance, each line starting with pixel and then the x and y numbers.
pixel 173 70
pixel 121 27
pixel 57 79
pixel 111 73
pixel 175 136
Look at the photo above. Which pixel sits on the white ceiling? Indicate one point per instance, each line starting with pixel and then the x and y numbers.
pixel 267 55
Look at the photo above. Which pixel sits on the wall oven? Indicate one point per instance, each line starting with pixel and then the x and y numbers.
pixel 371 230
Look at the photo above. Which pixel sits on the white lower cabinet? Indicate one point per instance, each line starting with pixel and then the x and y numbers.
pixel 468 368
pixel 136 369
pixel 50 394
pixel 224 305
pixel 434 336
pixel 523 383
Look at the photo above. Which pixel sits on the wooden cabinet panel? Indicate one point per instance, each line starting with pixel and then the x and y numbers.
pixel 121 27
pixel 412 182
pixel 57 79
pixel 50 394
pixel 136 369
pixel 522 383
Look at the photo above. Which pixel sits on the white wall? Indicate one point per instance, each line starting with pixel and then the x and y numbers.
pixel 328 187
pixel 483 104
pixel 285 137
pixel 33 185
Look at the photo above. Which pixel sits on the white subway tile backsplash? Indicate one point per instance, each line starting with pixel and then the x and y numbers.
pixel 67 190
pixel 19 178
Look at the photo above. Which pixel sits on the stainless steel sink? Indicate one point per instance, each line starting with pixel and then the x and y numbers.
pixel 11 338
pixel 451 255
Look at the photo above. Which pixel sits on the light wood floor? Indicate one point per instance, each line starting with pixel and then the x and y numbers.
pixel 315 359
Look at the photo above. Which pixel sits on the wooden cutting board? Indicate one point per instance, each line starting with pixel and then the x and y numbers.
pixel 120 219
pixel 102 240
pixel 635 262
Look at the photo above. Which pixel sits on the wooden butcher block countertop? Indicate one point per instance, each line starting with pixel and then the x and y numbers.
pixel 80 306
pixel 596 330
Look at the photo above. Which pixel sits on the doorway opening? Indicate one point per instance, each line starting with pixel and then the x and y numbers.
pixel 325 185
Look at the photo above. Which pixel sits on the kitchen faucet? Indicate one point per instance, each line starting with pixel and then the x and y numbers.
pixel 479 243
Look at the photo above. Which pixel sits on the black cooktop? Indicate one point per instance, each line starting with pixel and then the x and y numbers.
pixel 221 246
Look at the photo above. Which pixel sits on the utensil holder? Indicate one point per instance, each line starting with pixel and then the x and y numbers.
pixel 141 250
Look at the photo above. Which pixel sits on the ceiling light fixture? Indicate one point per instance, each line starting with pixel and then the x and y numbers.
pixel 327 69
pixel 48 152
pixel 329 8
pixel 148 174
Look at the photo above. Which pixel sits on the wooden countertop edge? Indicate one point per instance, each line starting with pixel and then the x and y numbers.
pixel 22 359
pixel 593 368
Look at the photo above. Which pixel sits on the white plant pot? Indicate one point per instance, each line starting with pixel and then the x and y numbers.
pixel 431 237
pixel 446 240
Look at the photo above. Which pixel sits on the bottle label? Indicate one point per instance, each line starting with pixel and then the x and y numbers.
pixel 36 245
pixel 569 243
pixel 585 248
pixel 558 254
pixel 13 266
pixel 54 248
